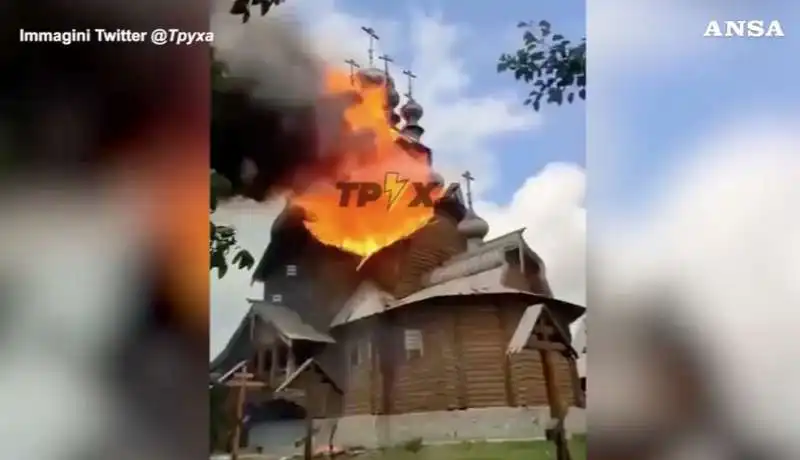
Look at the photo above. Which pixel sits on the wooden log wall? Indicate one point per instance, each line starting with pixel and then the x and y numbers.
pixel 358 379
pixel 483 348
pixel 429 248
pixel 464 364
pixel 428 382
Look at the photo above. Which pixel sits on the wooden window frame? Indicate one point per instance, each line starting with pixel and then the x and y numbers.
pixel 413 353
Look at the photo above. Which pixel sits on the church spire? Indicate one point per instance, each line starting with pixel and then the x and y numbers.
pixel 468 179
pixel 392 97
pixel 373 36
pixel 371 75
pixel 472 227
pixel 353 66
pixel 411 111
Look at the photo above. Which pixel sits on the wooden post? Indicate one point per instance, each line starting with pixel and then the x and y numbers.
pixel 506 360
pixel 461 384
pixel 291 365
pixel 241 381
pixel 260 361
pixel 308 450
pixel 273 369
pixel 558 413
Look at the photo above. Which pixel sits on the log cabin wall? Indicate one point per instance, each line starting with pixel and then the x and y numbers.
pixel 429 248
pixel 333 277
pixel 422 354
pixel 463 362
pixel 359 367
pixel 484 339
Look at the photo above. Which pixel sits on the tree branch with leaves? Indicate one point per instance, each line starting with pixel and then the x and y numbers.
pixel 554 66
pixel 223 237
pixel 223 243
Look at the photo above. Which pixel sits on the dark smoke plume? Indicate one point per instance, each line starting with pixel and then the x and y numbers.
pixel 65 107
pixel 270 117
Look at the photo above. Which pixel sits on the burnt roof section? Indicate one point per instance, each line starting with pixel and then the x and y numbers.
pixel 291 238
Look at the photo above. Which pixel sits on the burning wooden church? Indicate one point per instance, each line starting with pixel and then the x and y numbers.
pixel 441 335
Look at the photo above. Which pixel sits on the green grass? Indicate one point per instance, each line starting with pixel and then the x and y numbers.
pixel 533 450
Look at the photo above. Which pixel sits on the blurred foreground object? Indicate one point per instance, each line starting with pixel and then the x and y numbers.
pixel 657 395
pixel 103 248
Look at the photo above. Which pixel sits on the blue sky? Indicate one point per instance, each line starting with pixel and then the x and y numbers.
pixel 686 93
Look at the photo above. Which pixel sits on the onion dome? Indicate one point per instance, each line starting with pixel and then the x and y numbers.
pixel 392 101
pixel 376 77
pixel 392 97
pixel 372 76
pixel 473 228
pixel 412 112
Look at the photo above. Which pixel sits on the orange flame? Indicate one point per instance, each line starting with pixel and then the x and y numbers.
pixel 367 152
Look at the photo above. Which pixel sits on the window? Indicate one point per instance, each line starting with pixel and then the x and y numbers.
pixel 291 270
pixel 413 343
pixel 360 352
pixel 277 298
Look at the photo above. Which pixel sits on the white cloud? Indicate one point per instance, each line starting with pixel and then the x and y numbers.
pixel 648 36
pixel 725 238
pixel 550 205
pixel 461 121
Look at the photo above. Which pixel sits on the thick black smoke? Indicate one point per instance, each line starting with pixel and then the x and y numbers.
pixel 67 107
pixel 270 116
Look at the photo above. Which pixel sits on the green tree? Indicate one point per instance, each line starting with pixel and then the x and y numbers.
pixel 223 238
pixel 554 66
pixel 242 7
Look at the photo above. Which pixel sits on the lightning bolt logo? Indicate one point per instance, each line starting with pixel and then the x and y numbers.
pixel 394 187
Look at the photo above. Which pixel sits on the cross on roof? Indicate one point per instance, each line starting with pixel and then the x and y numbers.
pixel 411 76
pixel 372 37
pixel 469 178
pixel 353 66
pixel 386 60
pixel 243 380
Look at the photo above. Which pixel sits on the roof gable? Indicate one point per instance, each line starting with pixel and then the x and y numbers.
pixel 525 329
pixel 367 300
pixel 284 320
